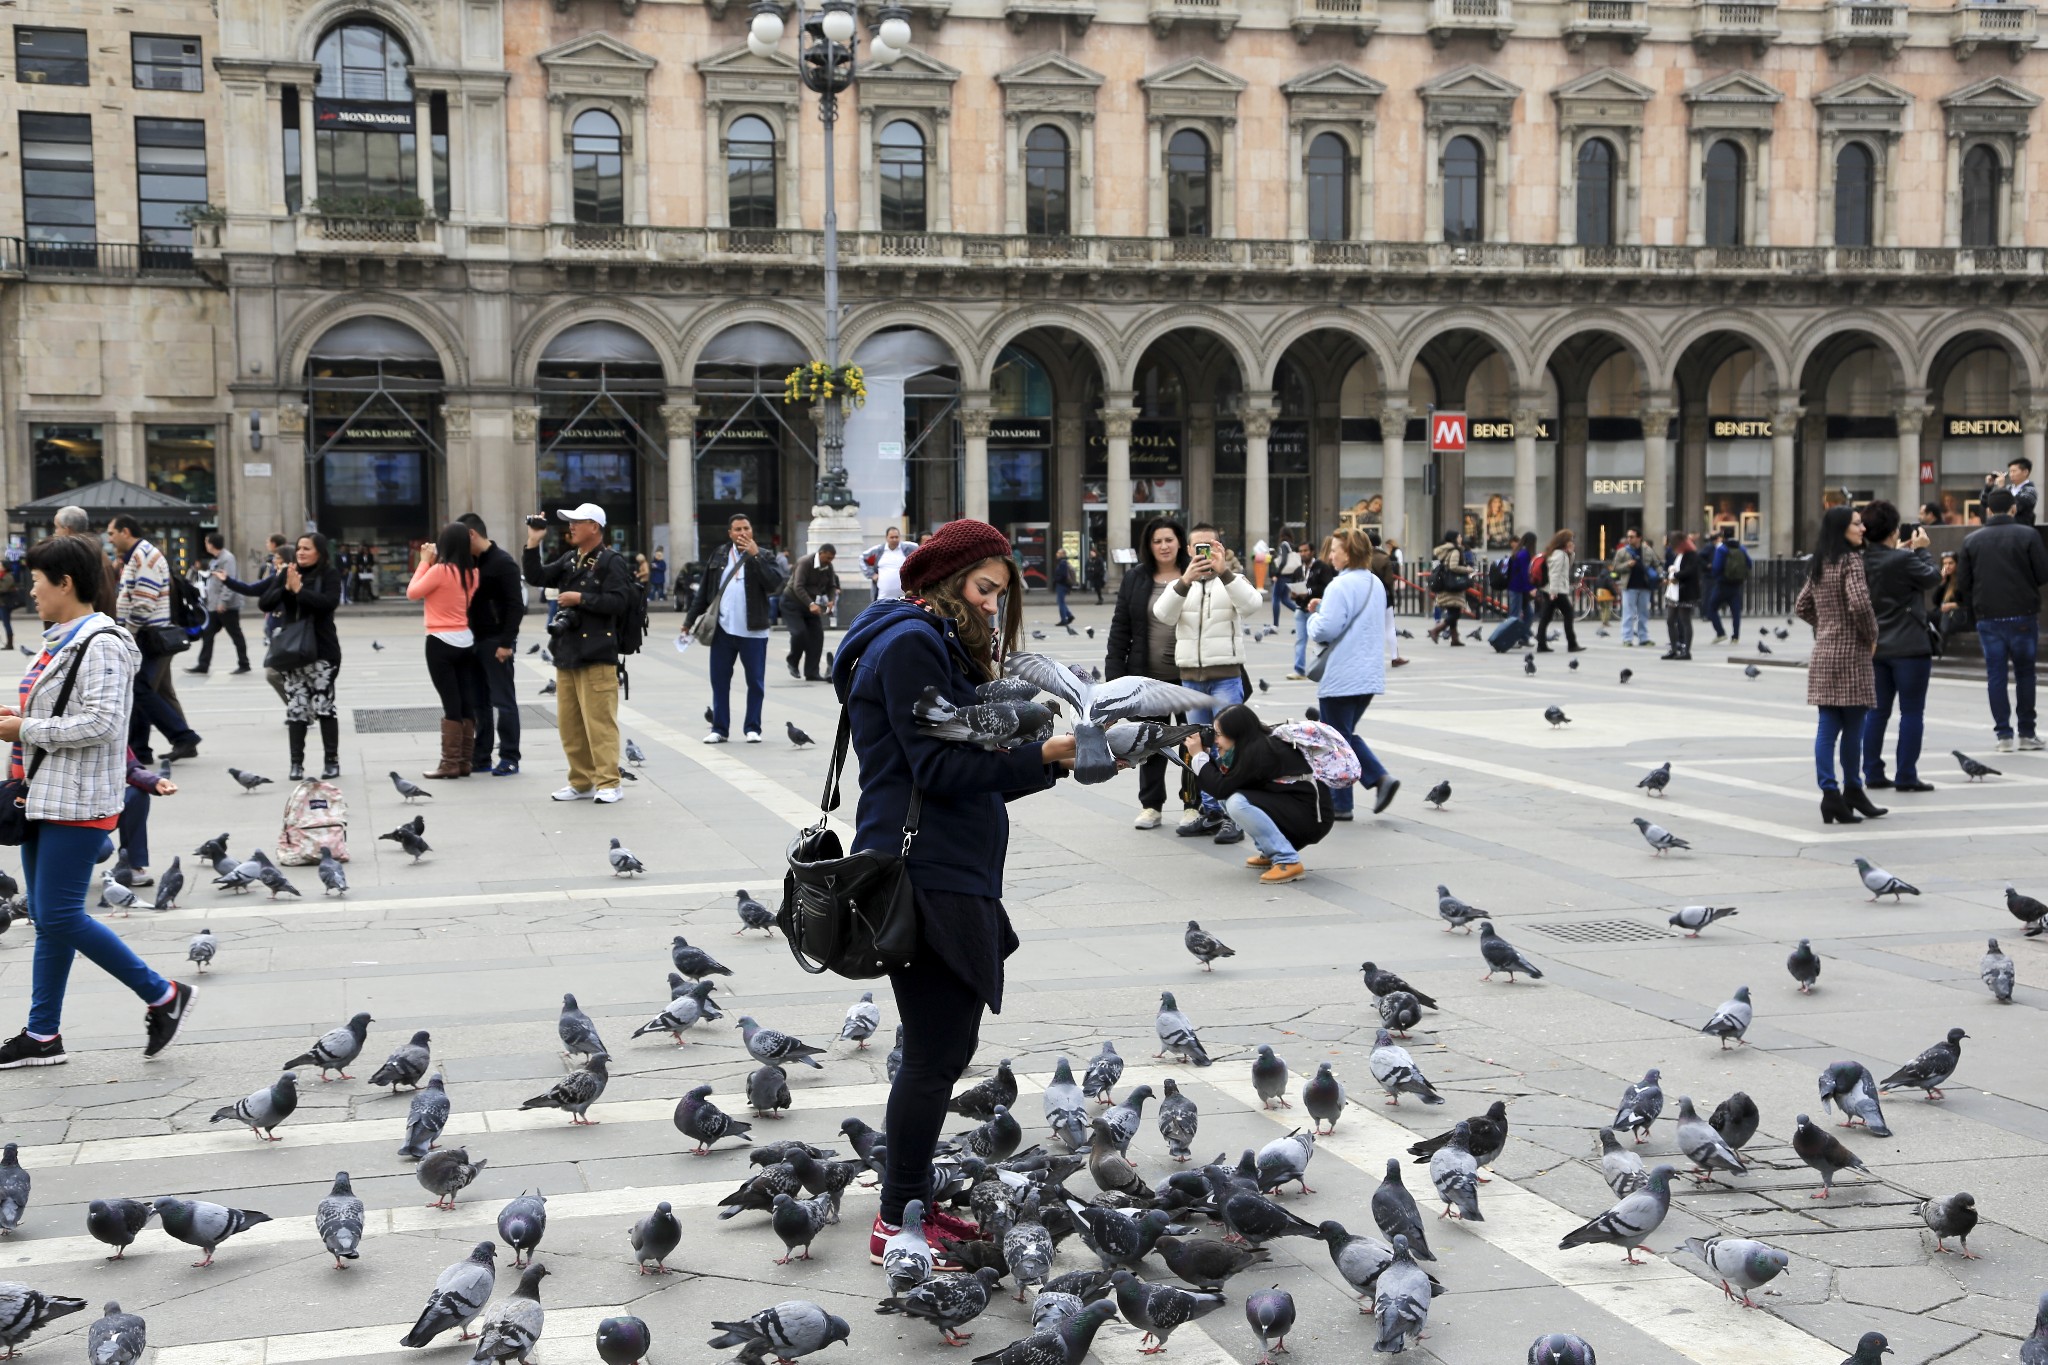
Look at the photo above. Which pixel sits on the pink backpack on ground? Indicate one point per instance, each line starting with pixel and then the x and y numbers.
pixel 1331 759
pixel 315 818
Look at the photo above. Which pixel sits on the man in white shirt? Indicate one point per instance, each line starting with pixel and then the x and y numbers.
pixel 885 563
pixel 738 580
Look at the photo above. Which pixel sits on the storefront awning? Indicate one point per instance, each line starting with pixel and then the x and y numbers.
pixel 109 497
pixel 754 345
pixel 373 339
pixel 607 343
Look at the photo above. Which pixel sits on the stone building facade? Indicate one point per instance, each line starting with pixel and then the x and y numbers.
pixel 1680 264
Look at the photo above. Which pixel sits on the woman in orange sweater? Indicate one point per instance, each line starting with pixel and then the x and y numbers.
pixel 445 580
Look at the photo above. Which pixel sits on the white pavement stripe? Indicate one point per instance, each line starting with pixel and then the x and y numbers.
pixel 1658 1298
pixel 249 907
pixel 569 1337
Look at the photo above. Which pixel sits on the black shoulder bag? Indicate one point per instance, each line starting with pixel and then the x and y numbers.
pixel 14 790
pixel 852 914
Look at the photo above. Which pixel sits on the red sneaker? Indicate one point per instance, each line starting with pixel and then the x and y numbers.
pixel 938 1238
pixel 951 1228
pixel 878 1237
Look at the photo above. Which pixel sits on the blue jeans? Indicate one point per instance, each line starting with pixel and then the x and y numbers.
pixel 56 863
pixel 1905 679
pixel 1343 714
pixel 1059 595
pixel 1222 692
pixel 2014 639
pixel 1840 726
pixel 1729 595
pixel 752 655
pixel 1520 608
pixel 1260 829
pixel 1635 615
pixel 1301 642
pixel 1281 597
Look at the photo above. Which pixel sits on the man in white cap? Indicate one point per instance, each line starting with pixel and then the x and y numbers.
pixel 595 586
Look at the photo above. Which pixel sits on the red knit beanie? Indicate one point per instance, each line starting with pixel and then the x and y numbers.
pixel 955 546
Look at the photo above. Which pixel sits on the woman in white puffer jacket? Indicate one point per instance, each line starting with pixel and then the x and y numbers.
pixel 1208 607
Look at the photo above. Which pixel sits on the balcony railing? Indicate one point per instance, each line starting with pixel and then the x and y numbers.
pixel 1628 21
pixel 595 240
pixel 1866 23
pixel 1494 18
pixel 1220 15
pixel 1359 18
pixel 1753 23
pixel 2015 26
pixel 367 231
pixel 101 260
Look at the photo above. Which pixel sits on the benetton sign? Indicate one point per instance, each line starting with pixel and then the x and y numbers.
pixel 1968 427
pixel 383 118
pixel 1739 428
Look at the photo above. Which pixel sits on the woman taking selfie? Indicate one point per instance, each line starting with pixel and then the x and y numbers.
pixel 309 590
pixel 1266 785
pixel 73 758
pixel 1900 573
pixel 1137 644
pixel 961 613
pixel 446 580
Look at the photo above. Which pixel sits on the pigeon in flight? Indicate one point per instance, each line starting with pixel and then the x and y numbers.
pixel 1439 794
pixel 250 781
pixel 989 725
pixel 1972 768
pixel 753 914
pixel 1096 705
pixel 1879 882
pixel 1660 839
pixel 1693 918
pixel 1556 716
pixel 1656 780
pixel 624 864
pixel 407 789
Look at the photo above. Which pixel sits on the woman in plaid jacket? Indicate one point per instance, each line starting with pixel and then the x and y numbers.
pixel 79 754
pixel 1839 682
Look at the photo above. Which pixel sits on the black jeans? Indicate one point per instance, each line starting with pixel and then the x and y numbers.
pixel 941 1017
pixel 1678 625
pixel 499 699
pixel 152 709
pixel 806 640
pixel 1556 604
pixel 231 622
pixel 448 668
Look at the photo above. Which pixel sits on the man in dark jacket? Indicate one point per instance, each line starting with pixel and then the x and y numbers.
pixel 812 590
pixel 593 585
pixel 1999 573
pixel 1062 584
pixel 495 610
pixel 737 582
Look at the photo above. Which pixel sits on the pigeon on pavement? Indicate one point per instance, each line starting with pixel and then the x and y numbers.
pixel 1249 1215
pixel 1269 1078
pixel 406 1065
pixel 1401 1301
pixel 768 1091
pixel 1973 768
pixel 1556 716
pixel 655 1239
pixel 1205 947
pixel 115 1222
pixel 695 962
pixel 1703 1145
pixel 1879 882
pixel 1804 964
pixel 1359 1259
pixel 1732 1020
pixel 1400 1011
pixel 1455 1174
pixel 331 875
pixel 1488 1135
pixel 623 1340
pixel 1178 1119
pixel 250 781
pixel 1177 1034
pixel 698 1119
pixel 114 894
pixel 1323 1094
pixel 1871 1347
pixel 407 789
pixel 116 1339
pixel 1693 918
pixel 1740 1263
pixel 1066 1108
pixel 1284 1161
pixel 766 1045
pixel 1561 1348
pixel 446 1172
pixel 277 882
pixel 522 1223
pixel 1456 914
pixel 1656 780
pixel 689 1006
pixel 1158 1309
pixel 1996 971
pixel 1630 1222
pixel 1396 1072
pixel 1660 839
pixel 460 1293
pixel 339 1221
pixel 1931 1069
pixel 984 1097
pixel 633 754
pixel 947 1302
pixel 336 1048
pixel 1438 795
pixel 863 1018
pixel 512 1326
pixel 792 1328
pixel 1621 1168
pixel 1384 983
pixel 577 1091
pixel 624 864
pixel 425 1118
pixel 410 841
pixel 1954 1217
pixel 169 885
pixel 263 1110
pixel 1736 1119
pixel 799 1221
pixel 578 1034
pixel 796 736
pixel 14 1188
pixel 1751 671
pixel 1851 1085
pixel 1641 1103
pixel 906 1256
pixel 2026 910
pixel 753 914
pixel 200 1224
pixel 1824 1152
pixel 1123 1119
pixel 23 1310
pixel 1111 1169
pixel 1626 674
pixel 1395 1212
pixel 1502 956
pixel 1207 1263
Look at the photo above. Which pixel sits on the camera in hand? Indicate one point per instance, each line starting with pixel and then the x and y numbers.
pixel 1202 550
pixel 537 522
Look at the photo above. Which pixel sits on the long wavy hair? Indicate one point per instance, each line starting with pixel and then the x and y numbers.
pixel 986 645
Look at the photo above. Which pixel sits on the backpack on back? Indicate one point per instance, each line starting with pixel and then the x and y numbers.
pixel 315 818
pixel 631 631
pixel 1331 759
pixel 1735 565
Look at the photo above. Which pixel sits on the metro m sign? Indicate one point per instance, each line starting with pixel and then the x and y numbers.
pixel 1447 433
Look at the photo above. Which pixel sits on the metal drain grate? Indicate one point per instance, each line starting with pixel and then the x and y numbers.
pixel 1602 931
pixel 413 720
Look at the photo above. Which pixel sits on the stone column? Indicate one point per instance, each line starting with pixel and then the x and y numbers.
pixel 1117 417
pixel 1910 413
pixel 1297 188
pixel 1258 480
pixel 463 480
pixel 1394 473
pixel 1657 415
pixel 561 154
pixel 870 193
pixel 2033 424
pixel 423 147
pixel 679 420
pixel 975 417
pixel 1527 516
pixel 942 171
pixel 1571 475
pixel 1692 463
pixel 1013 175
pixel 522 468
pixel 1155 177
pixel 1785 416
pixel 290 473
pixel 1084 193
pixel 1198 466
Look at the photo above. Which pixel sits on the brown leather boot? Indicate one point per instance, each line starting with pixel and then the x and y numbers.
pixel 465 752
pixel 451 756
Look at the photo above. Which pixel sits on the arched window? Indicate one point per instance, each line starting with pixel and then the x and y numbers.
pixel 1329 189
pixel 1595 181
pixel 365 145
pixel 750 173
pixel 1855 196
pixel 597 168
pixel 1187 185
pixel 1019 386
pixel 902 177
pixel 1724 187
pixel 1464 171
pixel 1046 212
pixel 1980 196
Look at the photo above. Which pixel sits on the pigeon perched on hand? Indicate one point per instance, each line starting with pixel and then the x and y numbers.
pixel 753 914
pixel 406 1065
pixel 624 864
pixel 1206 947
pixel 336 1048
pixel 1503 956
pixel 263 1110
pixel 1931 1069
pixel 1739 1263
pixel 1804 964
pixel 1996 971
pixel 1660 839
pixel 1096 705
pixel 1631 1221
pixel 339 1221
pixel 459 1294
pixel 1879 882
pixel 250 781
pixel 1825 1153
pixel 796 736
pixel 1177 1034
pixel 1439 794
pixel 988 725
pixel 200 1224
pixel 1972 768
pixel 1693 918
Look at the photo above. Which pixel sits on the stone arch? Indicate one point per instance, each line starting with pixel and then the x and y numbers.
pixel 1365 329
pixel 1494 327
pixel 315 323
pixel 627 312
pixel 315 22
pixel 940 323
pixel 1009 326
pixel 2017 345
pixel 1763 338
pixel 1545 345
pixel 1236 339
pixel 694 335
pixel 1892 341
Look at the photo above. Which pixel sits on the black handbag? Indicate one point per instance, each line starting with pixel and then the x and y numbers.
pixel 294 645
pixel 851 914
pixel 14 790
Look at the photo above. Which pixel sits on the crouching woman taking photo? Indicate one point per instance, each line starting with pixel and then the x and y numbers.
pixel 1266 785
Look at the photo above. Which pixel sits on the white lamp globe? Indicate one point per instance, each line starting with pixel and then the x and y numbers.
pixel 881 54
pixel 895 32
pixel 838 25
pixel 767 26
pixel 759 48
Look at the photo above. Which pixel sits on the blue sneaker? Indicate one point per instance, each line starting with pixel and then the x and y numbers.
pixel 506 769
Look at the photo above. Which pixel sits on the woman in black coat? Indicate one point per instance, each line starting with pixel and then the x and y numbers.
pixel 1138 646
pixel 1266 785
pixel 1685 573
pixel 309 589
